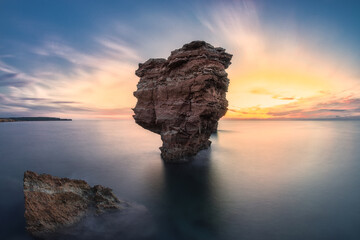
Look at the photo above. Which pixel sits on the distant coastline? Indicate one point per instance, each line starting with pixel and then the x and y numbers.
pixel 32 119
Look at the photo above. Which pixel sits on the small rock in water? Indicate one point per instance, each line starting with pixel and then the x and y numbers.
pixel 62 208
pixel 182 98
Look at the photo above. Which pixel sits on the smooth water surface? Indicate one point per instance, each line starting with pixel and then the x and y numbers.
pixel 260 179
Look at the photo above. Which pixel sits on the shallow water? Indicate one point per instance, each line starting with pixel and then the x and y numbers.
pixel 260 179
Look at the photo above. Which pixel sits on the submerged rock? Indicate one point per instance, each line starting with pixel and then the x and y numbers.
pixel 62 208
pixel 182 98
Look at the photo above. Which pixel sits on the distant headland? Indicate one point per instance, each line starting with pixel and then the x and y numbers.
pixel 32 119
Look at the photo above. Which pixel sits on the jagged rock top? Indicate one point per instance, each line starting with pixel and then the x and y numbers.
pixel 52 203
pixel 195 49
pixel 183 97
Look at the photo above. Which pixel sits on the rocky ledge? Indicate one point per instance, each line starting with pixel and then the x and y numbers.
pixel 53 203
pixel 182 98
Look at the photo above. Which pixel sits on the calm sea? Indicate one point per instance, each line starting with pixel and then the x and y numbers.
pixel 260 180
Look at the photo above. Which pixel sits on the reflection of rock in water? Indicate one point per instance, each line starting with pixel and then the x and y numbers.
pixel 190 208
pixel 62 208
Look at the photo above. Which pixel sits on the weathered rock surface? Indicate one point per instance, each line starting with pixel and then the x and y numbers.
pixel 53 203
pixel 182 98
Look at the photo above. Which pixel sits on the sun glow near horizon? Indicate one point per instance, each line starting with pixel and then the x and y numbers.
pixel 279 68
pixel 283 75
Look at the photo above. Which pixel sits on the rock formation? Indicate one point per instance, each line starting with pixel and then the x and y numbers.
pixel 182 98
pixel 52 203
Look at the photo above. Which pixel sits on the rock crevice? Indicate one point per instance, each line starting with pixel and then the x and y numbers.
pixel 183 97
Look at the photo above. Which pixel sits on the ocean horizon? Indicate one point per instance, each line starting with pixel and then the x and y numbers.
pixel 258 180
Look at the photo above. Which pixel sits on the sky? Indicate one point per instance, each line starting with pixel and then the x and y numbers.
pixel 76 59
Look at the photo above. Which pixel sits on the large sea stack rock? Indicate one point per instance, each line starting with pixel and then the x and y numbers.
pixel 182 98
pixel 52 203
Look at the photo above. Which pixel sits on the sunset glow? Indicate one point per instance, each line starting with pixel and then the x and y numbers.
pixel 280 69
pixel 180 120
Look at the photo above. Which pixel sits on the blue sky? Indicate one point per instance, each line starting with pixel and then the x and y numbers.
pixel 77 58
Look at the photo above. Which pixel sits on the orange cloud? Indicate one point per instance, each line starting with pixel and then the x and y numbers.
pixel 275 72
pixel 287 75
pixel 319 107
pixel 260 91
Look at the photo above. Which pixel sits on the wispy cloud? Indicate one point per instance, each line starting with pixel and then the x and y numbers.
pixel 274 95
pixel 280 70
pixel 325 106
pixel 11 80
pixel 7 76
pixel 277 71
pixel 96 83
